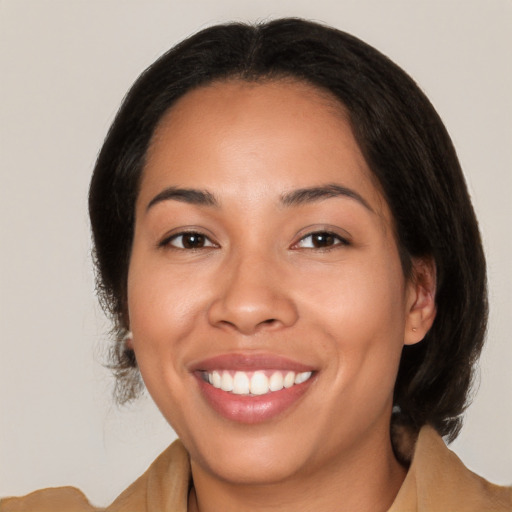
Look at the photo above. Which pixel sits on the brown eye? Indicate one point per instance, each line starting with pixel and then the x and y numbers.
pixel 321 240
pixel 191 240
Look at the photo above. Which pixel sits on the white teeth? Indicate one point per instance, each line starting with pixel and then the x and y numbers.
pixel 241 384
pixel 215 379
pixel 276 381
pixel 259 383
pixel 289 380
pixel 254 383
pixel 226 383
pixel 302 377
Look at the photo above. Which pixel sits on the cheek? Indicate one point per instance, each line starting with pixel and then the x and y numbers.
pixel 158 299
pixel 163 310
pixel 362 311
pixel 363 299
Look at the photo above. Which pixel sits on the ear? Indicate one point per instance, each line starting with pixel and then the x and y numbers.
pixel 420 300
pixel 128 340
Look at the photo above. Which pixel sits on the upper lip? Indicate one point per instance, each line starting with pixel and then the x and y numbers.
pixel 249 362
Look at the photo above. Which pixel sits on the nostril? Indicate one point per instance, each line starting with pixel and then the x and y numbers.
pixel 248 313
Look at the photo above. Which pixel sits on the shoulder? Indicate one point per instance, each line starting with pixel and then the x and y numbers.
pixel 164 486
pixel 437 480
pixel 58 499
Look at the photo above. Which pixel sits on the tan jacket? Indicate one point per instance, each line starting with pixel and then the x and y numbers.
pixel 437 481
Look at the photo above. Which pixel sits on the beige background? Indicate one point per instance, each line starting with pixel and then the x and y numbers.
pixel 65 66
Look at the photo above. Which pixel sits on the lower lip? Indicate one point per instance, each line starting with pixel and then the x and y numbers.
pixel 252 409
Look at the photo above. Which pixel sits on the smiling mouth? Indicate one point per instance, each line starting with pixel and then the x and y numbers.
pixel 254 383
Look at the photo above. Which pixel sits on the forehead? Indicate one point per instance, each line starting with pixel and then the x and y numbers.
pixel 249 105
pixel 285 133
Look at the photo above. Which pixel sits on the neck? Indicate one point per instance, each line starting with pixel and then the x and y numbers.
pixel 366 481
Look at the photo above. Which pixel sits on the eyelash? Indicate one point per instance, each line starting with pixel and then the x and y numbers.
pixel 202 238
pixel 167 242
pixel 329 235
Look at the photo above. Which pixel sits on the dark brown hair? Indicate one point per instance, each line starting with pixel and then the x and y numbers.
pixel 406 146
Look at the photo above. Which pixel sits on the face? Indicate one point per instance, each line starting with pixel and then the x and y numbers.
pixel 266 297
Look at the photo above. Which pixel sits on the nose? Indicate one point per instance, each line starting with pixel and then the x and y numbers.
pixel 252 297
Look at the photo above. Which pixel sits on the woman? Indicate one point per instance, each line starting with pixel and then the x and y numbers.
pixel 286 245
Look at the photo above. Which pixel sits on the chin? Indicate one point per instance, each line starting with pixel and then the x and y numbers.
pixel 255 469
pixel 254 459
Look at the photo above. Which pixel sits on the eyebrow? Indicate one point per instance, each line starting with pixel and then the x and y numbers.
pixel 312 194
pixel 185 195
pixel 294 198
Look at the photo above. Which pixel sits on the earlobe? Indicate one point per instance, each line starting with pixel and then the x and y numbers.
pixel 128 340
pixel 421 302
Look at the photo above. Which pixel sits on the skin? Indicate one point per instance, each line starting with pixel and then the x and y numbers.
pixel 261 284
